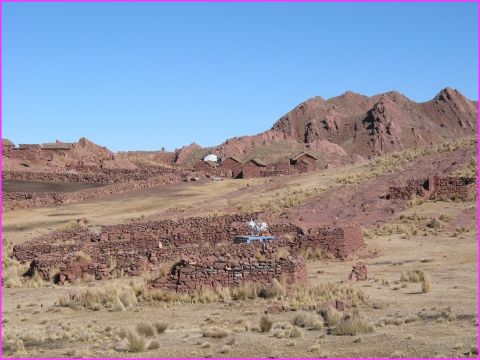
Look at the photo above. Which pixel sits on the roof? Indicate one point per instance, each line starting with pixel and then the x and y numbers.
pixel 6 142
pixel 303 153
pixel 233 158
pixel 256 162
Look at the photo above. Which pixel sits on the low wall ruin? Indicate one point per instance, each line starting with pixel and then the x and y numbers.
pixel 436 187
pixel 21 200
pixel 138 247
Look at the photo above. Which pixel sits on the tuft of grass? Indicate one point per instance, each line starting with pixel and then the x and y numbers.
pixel 332 316
pixel 115 297
pixel 160 327
pixel 266 323
pixel 307 320
pixel 295 332
pixel 426 284
pixel 214 332
pixel 353 324
pixel 145 329
pixel 152 345
pixel 135 343
pixel 225 349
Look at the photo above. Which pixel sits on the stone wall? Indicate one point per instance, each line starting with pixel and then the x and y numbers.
pixel 188 275
pixel 433 188
pixel 135 248
pixel 452 187
pixel 104 176
pixel 20 200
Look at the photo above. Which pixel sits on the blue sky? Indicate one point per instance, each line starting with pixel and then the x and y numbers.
pixel 146 75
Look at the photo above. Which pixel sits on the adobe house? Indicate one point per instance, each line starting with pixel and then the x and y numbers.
pixel 208 167
pixel 252 168
pixel 303 156
pixel 7 146
pixel 303 166
pixel 233 164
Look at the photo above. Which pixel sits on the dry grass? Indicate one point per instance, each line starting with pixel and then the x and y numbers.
pixel 160 327
pixel 307 320
pixel 332 316
pixel 214 332
pixel 314 298
pixel 426 284
pixel 145 329
pixel 266 323
pixel 115 297
pixel 135 343
pixel 152 345
pixel 80 255
pixel 460 230
pixel 469 170
pixel 353 324
pixel 295 332
pixel 397 160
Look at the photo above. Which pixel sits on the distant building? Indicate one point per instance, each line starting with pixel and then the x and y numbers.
pixel 208 167
pixel 305 157
pixel 252 168
pixel 233 164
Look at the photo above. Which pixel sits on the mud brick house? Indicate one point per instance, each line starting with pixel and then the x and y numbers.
pixel 7 146
pixel 253 168
pixel 303 162
pixel 232 164
pixel 303 157
pixel 276 169
pixel 208 167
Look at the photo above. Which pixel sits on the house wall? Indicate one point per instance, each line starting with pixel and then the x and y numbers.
pixel 233 166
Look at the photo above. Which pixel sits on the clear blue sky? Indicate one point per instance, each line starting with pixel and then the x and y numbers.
pixel 146 75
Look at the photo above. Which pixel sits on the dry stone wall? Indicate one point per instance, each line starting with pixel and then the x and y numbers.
pixel 20 200
pixel 433 188
pixel 134 248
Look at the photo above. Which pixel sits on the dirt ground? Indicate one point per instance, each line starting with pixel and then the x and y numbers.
pixel 43 186
pixel 406 321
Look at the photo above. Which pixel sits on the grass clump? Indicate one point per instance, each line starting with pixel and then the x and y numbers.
pixel 135 343
pixel 152 345
pixel 145 329
pixel 214 332
pixel 332 316
pixel 266 323
pixel 426 284
pixel 295 332
pixel 353 324
pixel 160 327
pixel 115 297
pixel 307 320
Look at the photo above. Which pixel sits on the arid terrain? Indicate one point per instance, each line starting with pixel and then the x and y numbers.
pixel 132 255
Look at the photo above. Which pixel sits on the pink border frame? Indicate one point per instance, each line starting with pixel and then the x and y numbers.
pixel 337 1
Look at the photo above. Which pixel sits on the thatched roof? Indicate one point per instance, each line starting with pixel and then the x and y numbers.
pixel 234 159
pixel 302 154
pixel 256 162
